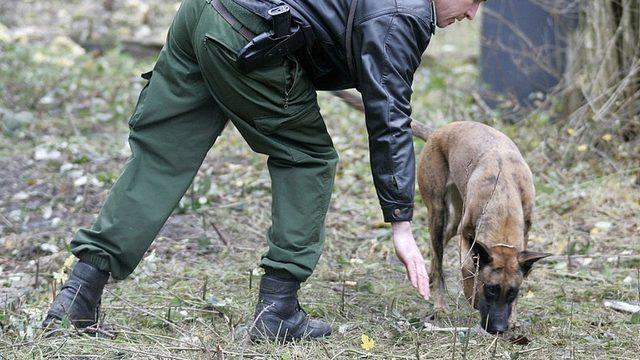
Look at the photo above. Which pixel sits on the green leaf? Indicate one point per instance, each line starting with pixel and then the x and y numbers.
pixel 175 301
pixel 65 324
pixel 635 318
pixel 204 242
pixel 364 286
pixel 416 323
pixel 81 160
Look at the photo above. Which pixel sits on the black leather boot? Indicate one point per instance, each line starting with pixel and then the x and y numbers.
pixel 79 298
pixel 279 316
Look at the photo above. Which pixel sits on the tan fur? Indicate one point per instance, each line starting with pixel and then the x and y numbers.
pixel 476 184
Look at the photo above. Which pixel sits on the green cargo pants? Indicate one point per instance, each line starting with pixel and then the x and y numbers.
pixel 194 88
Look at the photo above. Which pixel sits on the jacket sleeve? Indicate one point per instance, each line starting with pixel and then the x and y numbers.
pixel 387 52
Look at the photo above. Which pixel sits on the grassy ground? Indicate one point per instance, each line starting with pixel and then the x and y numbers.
pixel 63 143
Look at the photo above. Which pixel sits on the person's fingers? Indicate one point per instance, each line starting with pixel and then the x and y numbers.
pixel 423 281
pixel 420 276
pixel 412 274
pixel 416 274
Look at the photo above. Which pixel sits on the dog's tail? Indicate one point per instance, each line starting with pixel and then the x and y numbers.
pixel 420 130
pixel 350 99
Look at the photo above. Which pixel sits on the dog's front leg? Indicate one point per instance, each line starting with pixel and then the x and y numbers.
pixel 436 227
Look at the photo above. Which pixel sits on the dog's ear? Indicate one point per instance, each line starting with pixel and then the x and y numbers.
pixel 481 252
pixel 527 258
pixel 478 250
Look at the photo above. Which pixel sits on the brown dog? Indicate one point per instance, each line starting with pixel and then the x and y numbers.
pixel 476 184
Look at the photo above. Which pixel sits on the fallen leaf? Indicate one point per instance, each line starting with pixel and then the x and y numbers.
pixel 367 342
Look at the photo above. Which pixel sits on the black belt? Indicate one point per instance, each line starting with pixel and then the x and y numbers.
pixel 228 17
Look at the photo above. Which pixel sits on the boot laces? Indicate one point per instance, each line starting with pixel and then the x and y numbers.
pixel 299 308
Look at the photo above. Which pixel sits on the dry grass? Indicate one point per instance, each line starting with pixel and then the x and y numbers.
pixel 191 297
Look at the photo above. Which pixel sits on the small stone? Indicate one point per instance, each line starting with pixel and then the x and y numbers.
pixel 47 212
pixel 603 225
pixel 50 248
pixel 44 154
pixel 66 167
pixel 20 196
pixel 81 181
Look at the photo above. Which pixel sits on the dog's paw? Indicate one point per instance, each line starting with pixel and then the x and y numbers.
pixel 440 303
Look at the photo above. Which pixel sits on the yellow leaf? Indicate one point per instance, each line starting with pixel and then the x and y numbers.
pixel 570 131
pixel 607 137
pixel 68 264
pixel 367 343
pixel 582 148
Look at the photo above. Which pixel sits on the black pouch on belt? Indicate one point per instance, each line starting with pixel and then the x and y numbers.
pixel 288 34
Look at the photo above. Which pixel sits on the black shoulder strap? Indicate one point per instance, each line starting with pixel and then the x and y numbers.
pixel 349 40
pixel 228 17
pixel 260 7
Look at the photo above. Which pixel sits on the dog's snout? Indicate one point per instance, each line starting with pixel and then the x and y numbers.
pixel 495 325
pixel 497 328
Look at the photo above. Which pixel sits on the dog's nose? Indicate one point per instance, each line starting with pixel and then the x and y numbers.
pixel 497 328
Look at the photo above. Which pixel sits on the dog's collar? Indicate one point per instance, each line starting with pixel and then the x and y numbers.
pixel 503 245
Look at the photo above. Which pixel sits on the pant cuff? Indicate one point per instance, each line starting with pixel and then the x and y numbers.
pixel 96 261
pixel 279 273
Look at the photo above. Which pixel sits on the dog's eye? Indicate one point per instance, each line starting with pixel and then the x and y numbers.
pixel 512 294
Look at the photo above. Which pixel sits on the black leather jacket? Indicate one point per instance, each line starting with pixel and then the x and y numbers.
pixel 389 37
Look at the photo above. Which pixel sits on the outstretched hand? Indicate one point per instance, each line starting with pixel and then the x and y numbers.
pixel 410 255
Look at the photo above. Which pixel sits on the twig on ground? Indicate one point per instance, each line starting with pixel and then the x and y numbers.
pixel 49 356
pixel 431 328
pixel 141 352
pixel 580 277
pixel 97 329
pixel 622 306
pixel 147 312
pixel 572 350
pixel 483 105
pixel 223 237
pixel 494 345
pixel 364 354
pixel 6 221
pixel 529 350
pixel 609 257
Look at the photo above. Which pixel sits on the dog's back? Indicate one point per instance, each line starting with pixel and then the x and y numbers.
pixel 493 180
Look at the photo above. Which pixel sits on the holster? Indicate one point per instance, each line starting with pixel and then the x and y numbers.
pixel 289 33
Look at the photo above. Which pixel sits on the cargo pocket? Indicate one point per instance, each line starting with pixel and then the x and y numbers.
pixel 137 114
pixel 226 50
pixel 272 124
pixel 273 82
